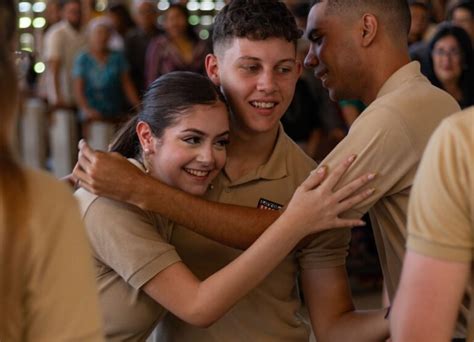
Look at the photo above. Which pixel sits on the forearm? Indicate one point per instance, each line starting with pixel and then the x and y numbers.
pixel 231 225
pixel 79 94
pixel 55 69
pixel 218 293
pixel 363 326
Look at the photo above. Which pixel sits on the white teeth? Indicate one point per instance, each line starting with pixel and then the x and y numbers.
pixel 197 173
pixel 263 105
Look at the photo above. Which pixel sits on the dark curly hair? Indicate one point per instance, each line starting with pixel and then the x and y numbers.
pixel 255 20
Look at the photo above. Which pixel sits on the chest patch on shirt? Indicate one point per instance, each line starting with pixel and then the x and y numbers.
pixel 268 205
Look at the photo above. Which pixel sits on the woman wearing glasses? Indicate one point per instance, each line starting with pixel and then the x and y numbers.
pixel 450 63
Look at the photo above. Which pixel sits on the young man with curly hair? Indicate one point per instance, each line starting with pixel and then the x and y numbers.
pixel 254 63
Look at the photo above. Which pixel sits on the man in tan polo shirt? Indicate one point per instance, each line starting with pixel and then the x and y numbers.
pixel 440 237
pixel 359 50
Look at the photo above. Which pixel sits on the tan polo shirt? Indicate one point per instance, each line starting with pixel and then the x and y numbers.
pixel 130 247
pixel 389 138
pixel 270 311
pixel 60 295
pixel 441 210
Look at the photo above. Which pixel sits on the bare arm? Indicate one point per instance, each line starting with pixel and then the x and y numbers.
pixel 235 226
pixel 333 316
pixel 201 303
pixel 55 67
pixel 428 299
pixel 113 176
pixel 79 93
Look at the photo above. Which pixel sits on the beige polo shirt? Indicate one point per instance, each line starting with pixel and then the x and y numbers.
pixel 389 138
pixel 130 247
pixel 270 311
pixel 62 42
pixel 441 210
pixel 59 293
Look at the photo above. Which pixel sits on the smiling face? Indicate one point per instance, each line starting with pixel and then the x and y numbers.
pixel 333 53
pixel 192 151
pixel 258 78
pixel 447 60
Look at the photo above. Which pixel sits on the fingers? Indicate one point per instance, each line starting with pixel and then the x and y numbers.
pixel 353 186
pixel 353 200
pixel 314 179
pixel 348 223
pixel 82 176
pixel 336 174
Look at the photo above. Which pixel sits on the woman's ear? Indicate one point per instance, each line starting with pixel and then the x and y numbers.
pixel 146 137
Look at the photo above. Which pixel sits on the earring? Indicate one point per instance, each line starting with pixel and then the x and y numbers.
pixel 146 162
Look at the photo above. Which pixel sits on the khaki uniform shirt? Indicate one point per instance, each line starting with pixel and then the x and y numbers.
pixel 130 247
pixel 389 138
pixel 270 311
pixel 59 295
pixel 441 211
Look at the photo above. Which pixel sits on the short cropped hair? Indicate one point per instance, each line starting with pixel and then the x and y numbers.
pixel 394 14
pixel 254 20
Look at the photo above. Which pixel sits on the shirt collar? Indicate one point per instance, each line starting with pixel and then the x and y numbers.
pixel 275 167
pixel 402 75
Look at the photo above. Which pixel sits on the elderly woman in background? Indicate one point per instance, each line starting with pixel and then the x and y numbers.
pixel 450 63
pixel 101 79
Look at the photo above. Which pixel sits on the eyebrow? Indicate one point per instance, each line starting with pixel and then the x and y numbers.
pixel 255 59
pixel 197 131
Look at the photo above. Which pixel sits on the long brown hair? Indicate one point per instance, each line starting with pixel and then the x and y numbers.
pixel 13 194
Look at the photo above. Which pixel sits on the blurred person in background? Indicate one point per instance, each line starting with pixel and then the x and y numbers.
pixel 137 40
pixel 47 287
pixel 62 43
pixel 461 13
pixel 449 63
pixel 102 82
pixel 122 22
pixel 179 49
pixel 419 21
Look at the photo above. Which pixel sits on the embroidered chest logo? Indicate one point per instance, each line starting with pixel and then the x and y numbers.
pixel 268 205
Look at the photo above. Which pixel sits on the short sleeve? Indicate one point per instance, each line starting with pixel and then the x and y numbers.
pixel 128 240
pixel 382 145
pixel 327 249
pixel 439 217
